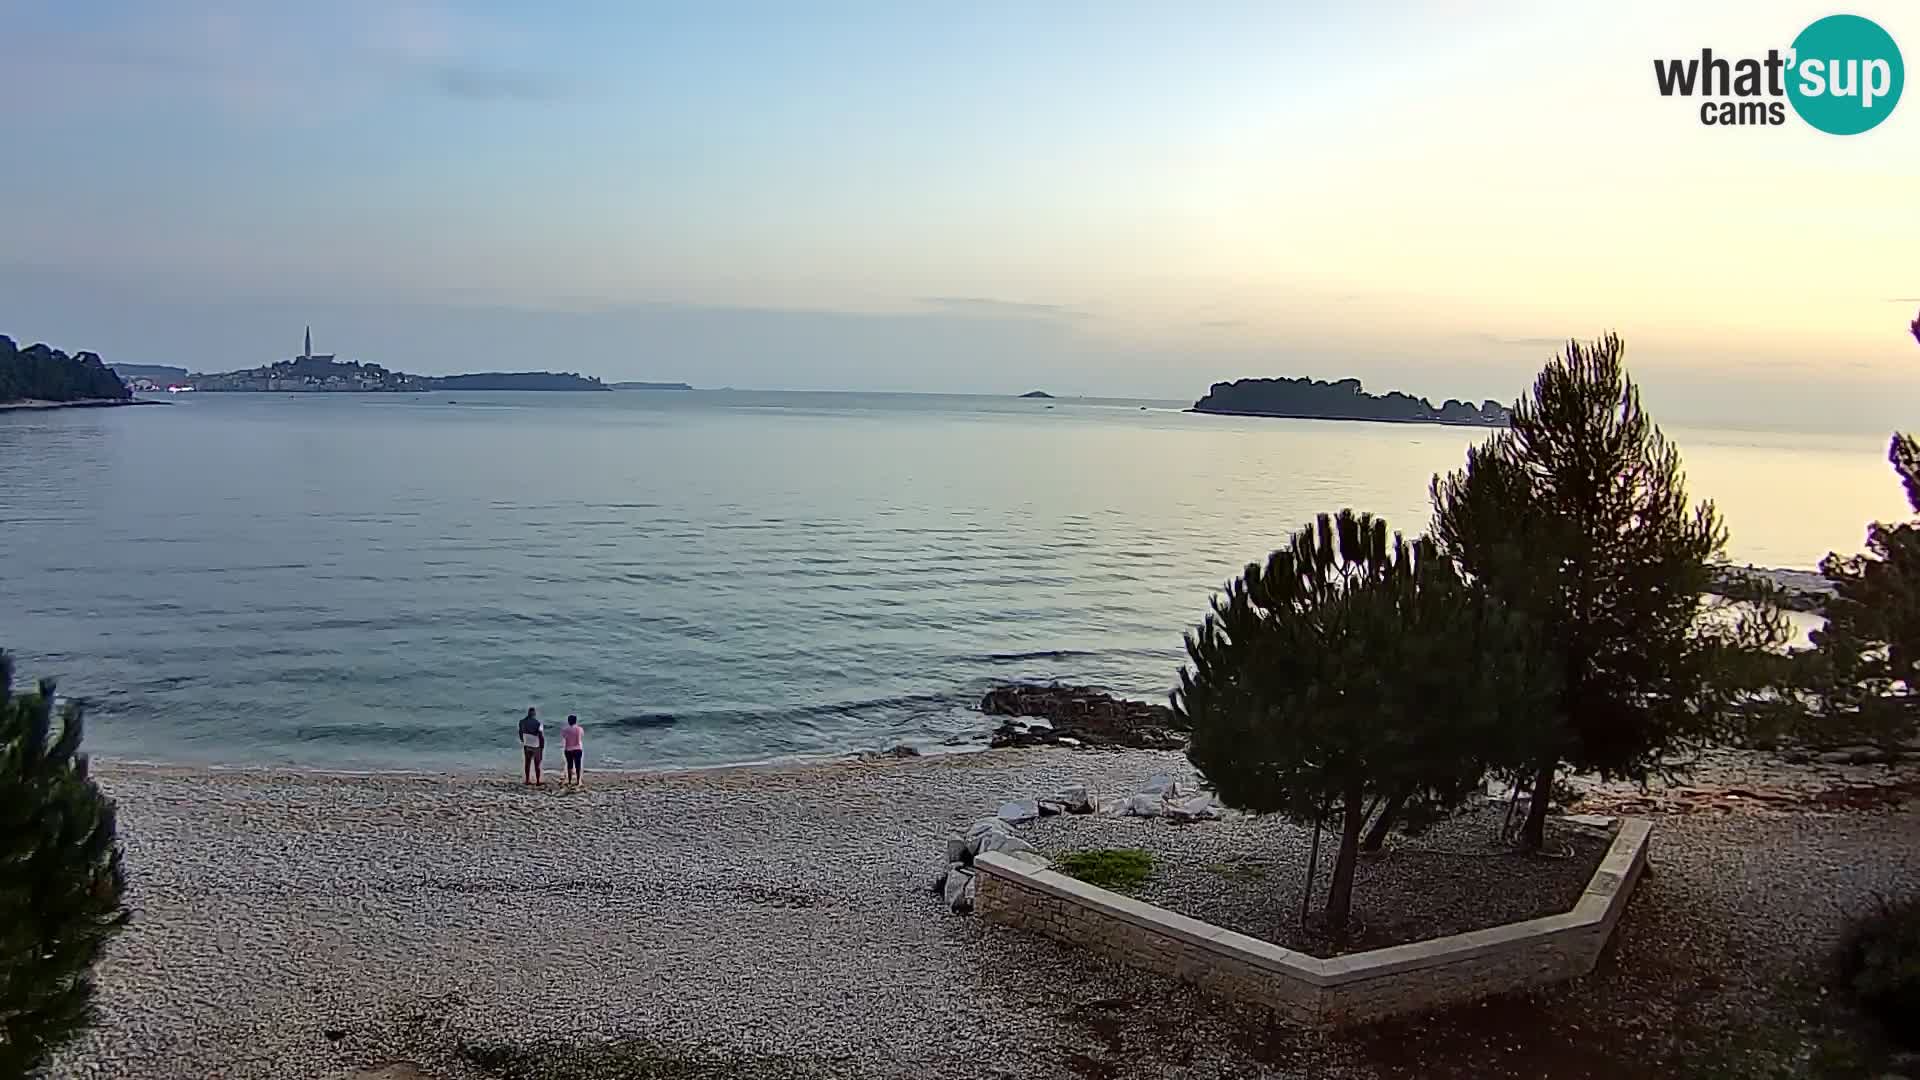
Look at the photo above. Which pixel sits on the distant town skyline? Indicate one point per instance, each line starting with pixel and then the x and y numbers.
pixel 1129 200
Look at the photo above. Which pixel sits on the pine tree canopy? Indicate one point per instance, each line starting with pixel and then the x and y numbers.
pixel 1577 519
pixel 1346 663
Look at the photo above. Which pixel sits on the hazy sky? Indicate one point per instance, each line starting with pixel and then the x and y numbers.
pixel 1099 198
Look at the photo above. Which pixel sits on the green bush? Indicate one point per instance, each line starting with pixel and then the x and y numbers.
pixel 1880 967
pixel 1119 869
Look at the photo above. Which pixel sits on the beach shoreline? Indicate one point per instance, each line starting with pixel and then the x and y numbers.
pixel 313 922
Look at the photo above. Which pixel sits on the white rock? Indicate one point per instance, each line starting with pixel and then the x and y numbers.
pixel 1019 811
pixel 986 824
pixel 1193 808
pixel 1073 798
pixel 959 890
pixel 1161 784
pixel 1143 806
pixel 1001 842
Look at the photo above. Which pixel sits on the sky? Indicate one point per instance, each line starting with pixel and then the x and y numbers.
pixel 1107 199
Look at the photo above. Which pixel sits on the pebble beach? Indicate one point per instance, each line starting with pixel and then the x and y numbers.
pixel 777 921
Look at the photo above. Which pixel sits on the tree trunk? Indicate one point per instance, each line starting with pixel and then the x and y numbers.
pixel 1534 836
pixel 1313 863
pixel 1383 824
pixel 1340 897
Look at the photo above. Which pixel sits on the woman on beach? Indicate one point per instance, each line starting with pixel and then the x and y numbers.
pixel 533 743
pixel 573 743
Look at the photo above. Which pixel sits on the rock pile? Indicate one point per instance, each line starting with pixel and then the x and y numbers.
pixel 1079 716
pixel 1162 796
pixel 956 884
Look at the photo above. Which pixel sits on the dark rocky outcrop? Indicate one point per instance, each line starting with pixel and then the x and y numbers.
pixel 1080 715
pixel 1794 590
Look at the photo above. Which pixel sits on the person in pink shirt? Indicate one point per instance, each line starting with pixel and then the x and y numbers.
pixel 573 741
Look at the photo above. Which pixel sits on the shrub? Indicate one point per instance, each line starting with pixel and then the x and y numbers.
pixel 1880 967
pixel 1119 869
pixel 61 882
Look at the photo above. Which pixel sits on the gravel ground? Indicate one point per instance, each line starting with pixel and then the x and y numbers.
pixel 776 922
pixel 1247 874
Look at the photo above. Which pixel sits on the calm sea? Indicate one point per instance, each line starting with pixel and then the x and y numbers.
pixel 389 580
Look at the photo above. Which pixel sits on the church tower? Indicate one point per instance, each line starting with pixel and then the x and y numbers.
pixel 307 353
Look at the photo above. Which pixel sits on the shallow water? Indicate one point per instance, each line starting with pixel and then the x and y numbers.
pixel 389 580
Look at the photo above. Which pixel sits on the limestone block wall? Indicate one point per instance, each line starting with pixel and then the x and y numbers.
pixel 1310 990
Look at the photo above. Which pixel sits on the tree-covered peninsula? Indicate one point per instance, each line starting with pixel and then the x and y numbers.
pixel 1344 400
pixel 40 373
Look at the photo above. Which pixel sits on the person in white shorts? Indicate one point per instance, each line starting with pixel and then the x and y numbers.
pixel 533 744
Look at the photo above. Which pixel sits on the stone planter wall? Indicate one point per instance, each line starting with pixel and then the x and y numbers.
pixel 1310 990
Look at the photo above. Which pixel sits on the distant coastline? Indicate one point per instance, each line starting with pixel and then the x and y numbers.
pixel 1314 399
pixel 312 372
pixel 650 386
pixel 32 405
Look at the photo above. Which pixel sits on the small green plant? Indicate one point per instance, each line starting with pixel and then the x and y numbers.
pixel 1119 869
pixel 634 1059
pixel 1880 967
pixel 1239 870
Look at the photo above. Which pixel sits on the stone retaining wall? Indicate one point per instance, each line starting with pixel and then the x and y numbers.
pixel 1308 989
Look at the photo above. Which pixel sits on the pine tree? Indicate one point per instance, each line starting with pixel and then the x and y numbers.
pixel 1577 519
pixel 1344 672
pixel 61 882
pixel 1864 659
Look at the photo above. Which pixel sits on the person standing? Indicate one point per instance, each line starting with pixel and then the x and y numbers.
pixel 533 744
pixel 573 743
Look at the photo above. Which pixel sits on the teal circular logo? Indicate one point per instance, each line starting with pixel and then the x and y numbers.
pixel 1846 75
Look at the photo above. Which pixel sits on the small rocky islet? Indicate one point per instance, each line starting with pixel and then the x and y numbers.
pixel 1080 716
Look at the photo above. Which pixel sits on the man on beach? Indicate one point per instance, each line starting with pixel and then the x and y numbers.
pixel 533 743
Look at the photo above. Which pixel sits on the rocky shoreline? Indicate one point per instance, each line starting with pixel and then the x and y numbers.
pixel 1078 716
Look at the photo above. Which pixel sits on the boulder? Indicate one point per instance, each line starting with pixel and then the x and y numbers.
pixel 1019 811
pixel 984 834
pixel 1073 798
pixel 1161 784
pixel 1001 842
pixel 956 849
pixel 1143 806
pixel 959 890
pixel 987 824
pixel 1192 808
